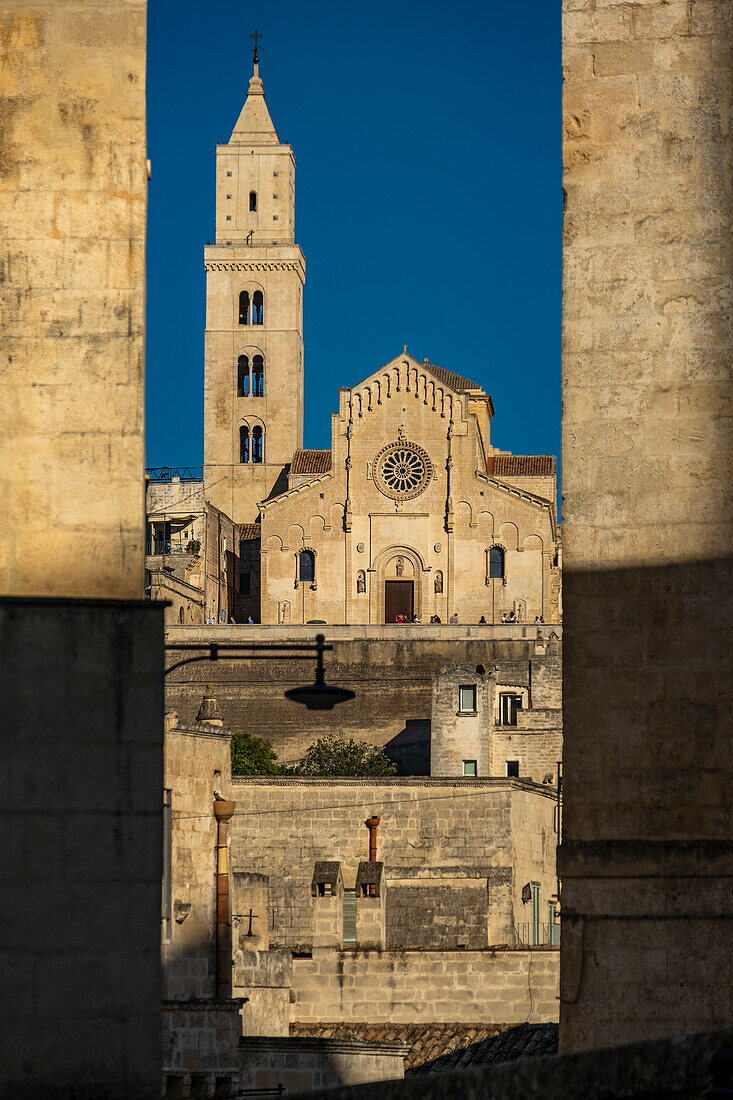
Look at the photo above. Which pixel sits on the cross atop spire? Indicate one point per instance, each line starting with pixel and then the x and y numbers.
pixel 255 53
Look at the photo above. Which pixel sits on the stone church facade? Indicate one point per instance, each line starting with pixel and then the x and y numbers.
pixel 412 512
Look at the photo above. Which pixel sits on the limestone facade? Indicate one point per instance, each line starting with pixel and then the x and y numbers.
pixel 406 516
pixel 412 510
pixel 647 341
pixel 255 271
pixel 73 193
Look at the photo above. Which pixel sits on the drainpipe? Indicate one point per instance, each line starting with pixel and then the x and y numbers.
pixel 371 824
pixel 223 812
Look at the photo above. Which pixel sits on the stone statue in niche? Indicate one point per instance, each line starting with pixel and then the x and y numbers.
pixel 400 567
pixel 360 582
pixel 284 615
pixel 438 586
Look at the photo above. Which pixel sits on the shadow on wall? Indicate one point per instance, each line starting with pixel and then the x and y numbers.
pixel 410 748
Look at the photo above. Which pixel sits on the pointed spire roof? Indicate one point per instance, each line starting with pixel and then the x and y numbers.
pixel 254 125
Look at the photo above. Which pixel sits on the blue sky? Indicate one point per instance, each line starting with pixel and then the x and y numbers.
pixel 428 196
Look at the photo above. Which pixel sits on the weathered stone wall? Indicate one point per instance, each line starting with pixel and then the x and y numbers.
pixel 302 1063
pixel 678 1067
pixel 400 987
pixel 391 669
pixel 647 341
pixel 197 763
pixel 439 840
pixel 72 205
pixel 81 792
pixel 534 742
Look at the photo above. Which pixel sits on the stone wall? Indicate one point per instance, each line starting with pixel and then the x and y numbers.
pixel 73 189
pixel 391 669
pixel 399 987
pixel 81 792
pixel 647 341
pixel 197 763
pixel 678 1067
pixel 456 852
pixel 302 1063
pixel 459 737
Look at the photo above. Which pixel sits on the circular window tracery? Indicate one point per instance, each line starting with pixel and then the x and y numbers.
pixel 402 470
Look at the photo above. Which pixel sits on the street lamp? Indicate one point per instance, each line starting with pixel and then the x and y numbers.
pixel 316 696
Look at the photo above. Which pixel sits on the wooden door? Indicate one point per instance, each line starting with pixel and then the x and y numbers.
pixel 398 600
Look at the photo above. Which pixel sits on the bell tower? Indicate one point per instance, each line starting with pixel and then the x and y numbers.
pixel 253 354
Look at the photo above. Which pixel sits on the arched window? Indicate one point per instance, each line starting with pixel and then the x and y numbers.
pixel 496 562
pixel 253 200
pixel 258 308
pixel 258 376
pixel 180 614
pixel 243 376
pixel 307 566
pixel 244 444
pixel 257 443
pixel 244 307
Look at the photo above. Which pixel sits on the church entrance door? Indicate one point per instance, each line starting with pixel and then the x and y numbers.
pixel 398 600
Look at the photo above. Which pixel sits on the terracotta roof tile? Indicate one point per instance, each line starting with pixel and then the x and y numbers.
pixel 311 462
pixel 521 465
pixel 249 531
pixel 437 1047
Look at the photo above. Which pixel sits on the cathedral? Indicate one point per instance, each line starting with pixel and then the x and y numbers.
pixel 413 514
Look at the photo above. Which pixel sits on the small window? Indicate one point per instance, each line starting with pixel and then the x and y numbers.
pixel 512 769
pixel 244 308
pixel 244 443
pixel 253 200
pixel 509 704
pixel 245 584
pixel 469 767
pixel 229 217
pixel 467 699
pixel 307 566
pixel 243 376
pixel 257 444
pixel 258 308
pixel 229 173
pixel 496 562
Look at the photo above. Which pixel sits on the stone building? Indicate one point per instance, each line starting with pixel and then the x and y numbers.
pixel 413 511
pixel 82 654
pixel 647 342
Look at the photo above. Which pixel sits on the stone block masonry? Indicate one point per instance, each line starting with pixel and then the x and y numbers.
pixel 401 987
pixel 73 193
pixel 390 668
pixel 456 853
pixel 647 535
pixel 81 805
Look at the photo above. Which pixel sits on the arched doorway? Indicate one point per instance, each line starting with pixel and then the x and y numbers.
pixel 399 571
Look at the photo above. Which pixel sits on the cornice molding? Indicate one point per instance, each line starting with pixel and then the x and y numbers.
pixel 253 265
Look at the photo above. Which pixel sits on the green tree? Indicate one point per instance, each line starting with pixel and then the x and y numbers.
pixel 253 756
pixel 337 756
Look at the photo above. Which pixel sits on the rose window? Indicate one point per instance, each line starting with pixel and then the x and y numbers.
pixel 402 470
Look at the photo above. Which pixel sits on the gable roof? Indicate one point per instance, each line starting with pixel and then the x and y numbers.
pixel 446 377
pixel 311 461
pixel 450 378
pixel 520 465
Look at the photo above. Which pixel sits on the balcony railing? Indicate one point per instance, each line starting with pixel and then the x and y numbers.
pixel 537 935
pixel 164 546
pixel 185 473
